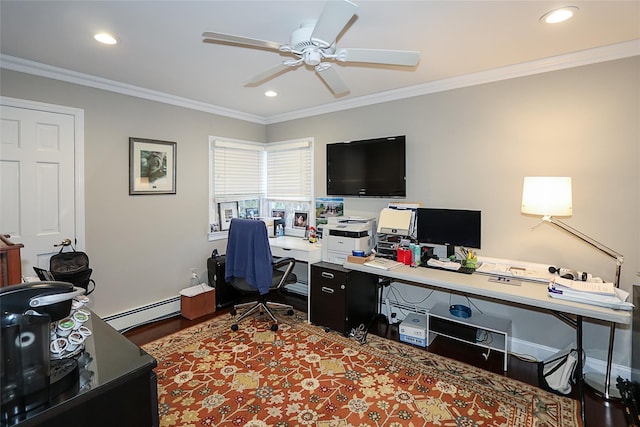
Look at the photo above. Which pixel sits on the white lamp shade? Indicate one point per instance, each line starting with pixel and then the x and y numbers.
pixel 547 196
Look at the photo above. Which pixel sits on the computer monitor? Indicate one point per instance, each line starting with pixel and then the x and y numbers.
pixel 453 227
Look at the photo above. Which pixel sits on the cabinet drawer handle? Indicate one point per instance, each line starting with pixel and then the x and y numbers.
pixel 327 275
pixel 327 290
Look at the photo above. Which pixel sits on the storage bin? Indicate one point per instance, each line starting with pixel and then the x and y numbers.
pixel 196 301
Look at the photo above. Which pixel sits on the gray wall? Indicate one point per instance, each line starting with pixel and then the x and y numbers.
pixel 141 248
pixel 470 148
pixel 467 148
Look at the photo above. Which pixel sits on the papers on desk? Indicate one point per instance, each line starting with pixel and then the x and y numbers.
pixel 600 294
pixel 597 288
pixel 384 263
pixel 506 270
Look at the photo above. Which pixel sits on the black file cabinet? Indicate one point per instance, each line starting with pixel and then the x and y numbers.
pixel 226 295
pixel 341 299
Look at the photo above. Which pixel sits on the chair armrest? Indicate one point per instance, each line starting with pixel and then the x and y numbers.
pixel 278 263
pixel 281 262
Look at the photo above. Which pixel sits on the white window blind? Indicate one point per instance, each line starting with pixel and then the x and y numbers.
pixel 289 171
pixel 238 170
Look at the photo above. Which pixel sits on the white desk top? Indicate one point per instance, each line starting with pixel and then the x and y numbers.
pixel 292 242
pixel 527 293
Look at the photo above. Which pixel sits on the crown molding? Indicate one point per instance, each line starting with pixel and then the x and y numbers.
pixel 43 70
pixel 555 63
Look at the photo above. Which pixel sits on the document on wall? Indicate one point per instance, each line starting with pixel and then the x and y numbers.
pixel 384 263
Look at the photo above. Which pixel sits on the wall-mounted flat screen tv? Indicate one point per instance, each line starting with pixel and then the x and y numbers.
pixel 367 168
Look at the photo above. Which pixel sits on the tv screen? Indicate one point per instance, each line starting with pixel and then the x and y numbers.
pixel 448 227
pixel 367 168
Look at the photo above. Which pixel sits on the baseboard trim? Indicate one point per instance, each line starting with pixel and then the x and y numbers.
pixel 145 314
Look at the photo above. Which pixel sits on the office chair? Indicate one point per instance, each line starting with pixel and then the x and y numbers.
pixel 251 269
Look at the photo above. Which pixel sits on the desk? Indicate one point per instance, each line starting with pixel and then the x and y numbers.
pixel 528 293
pixel 296 247
pixel 121 390
pixel 303 252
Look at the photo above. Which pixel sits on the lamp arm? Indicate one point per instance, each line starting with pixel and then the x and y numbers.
pixel 602 248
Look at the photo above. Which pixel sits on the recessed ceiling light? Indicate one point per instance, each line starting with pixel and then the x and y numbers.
pixel 559 15
pixel 271 93
pixel 105 38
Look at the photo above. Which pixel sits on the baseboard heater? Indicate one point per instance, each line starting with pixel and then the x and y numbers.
pixel 145 314
pixel 452 329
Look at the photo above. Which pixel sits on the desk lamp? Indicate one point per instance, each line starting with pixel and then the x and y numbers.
pixel 549 197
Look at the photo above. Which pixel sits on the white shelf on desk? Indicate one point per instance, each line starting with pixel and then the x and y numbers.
pixel 497 329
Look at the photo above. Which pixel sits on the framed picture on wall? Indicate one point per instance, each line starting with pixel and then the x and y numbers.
pixel 152 166
pixel 300 219
pixel 228 211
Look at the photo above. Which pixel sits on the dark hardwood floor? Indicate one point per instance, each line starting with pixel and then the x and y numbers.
pixel 599 413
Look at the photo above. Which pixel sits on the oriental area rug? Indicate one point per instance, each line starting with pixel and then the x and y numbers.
pixel 301 375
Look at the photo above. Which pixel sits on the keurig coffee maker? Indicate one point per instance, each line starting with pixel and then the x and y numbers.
pixel 26 312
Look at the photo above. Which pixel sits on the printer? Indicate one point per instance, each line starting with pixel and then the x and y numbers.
pixel 343 235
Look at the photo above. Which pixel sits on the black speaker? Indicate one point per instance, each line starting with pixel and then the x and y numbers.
pixel 226 295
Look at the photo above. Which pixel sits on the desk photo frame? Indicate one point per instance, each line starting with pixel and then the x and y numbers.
pixel 300 219
pixel 227 211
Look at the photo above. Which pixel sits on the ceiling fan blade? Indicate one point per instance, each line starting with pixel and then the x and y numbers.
pixel 379 56
pixel 267 74
pixel 334 17
pixel 332 78
pixel 210 37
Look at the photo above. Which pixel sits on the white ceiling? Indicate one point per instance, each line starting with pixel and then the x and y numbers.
pixel 161 49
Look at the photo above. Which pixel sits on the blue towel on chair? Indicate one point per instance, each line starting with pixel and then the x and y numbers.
pixel 249 254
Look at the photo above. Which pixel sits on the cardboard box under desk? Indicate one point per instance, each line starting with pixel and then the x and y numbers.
pixel 197 301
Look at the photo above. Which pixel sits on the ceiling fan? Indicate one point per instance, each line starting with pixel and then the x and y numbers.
pixel 314 43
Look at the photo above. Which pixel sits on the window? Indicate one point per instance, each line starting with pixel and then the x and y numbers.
pixel 249 179
pixel 289 171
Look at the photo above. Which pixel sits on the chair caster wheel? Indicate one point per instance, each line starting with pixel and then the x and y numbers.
pixel 234 328
pixel 233 312
pixel 327 330
pixel 289 312
pixel 274 327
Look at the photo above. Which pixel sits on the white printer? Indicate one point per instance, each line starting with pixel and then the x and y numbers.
pixel 343 235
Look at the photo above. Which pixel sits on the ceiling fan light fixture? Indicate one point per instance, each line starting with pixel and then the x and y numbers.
pixel 105 38
pixel 559 15
pixel 312 57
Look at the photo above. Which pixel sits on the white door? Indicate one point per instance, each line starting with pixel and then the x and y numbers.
pixel 37 181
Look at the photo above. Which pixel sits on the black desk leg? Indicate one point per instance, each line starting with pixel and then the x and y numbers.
pixel 580 369
pixel 363 331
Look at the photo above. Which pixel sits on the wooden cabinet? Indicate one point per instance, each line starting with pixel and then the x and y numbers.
pixel 341 299
pixel 10 262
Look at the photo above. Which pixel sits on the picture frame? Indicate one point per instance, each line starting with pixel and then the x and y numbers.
pixel 278 213
pixel 301 219
pixel 152 166
pixel 227 211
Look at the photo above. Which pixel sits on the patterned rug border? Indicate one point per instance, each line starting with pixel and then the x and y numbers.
pixel 396 353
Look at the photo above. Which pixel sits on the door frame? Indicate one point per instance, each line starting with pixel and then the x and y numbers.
pixel 78 175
